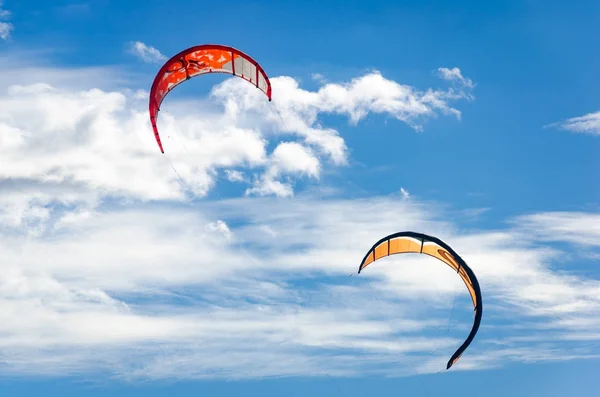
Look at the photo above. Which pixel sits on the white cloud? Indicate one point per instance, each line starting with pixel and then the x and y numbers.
pixel 288 158
pixel 587 124
pixel 5 27
pixel 296 110
pixel 292 157
pixel 117 277
pixel 220 227
pixel 146 53
pixel 455 75
pixel 31 76
pixel 318 77
pixel 100 140
pixel 578 228
pixel 235 176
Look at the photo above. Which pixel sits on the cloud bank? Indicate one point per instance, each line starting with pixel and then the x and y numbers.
pixel 110 265
pixel 100 138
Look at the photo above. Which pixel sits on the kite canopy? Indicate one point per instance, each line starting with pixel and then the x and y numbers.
pixel 406 242
pixel 208 58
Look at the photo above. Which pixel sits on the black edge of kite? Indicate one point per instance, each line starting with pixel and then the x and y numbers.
pixel 463 264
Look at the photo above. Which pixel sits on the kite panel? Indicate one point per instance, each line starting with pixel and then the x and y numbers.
pixel 199 60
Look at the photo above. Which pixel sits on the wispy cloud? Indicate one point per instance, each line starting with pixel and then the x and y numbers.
pixel 5 27
pixel 586 124
pixel 455 75
pixel 145 52
pixel 235 176
pixel 578 228
pixel 169 286
pixel 319 78
pixel 405 194
pixel 43 75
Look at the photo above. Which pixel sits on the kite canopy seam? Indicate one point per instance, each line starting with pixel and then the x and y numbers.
pixel 198 60
pixel 413 242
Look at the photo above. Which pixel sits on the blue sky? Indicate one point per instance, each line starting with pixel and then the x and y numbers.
pixel 477 122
